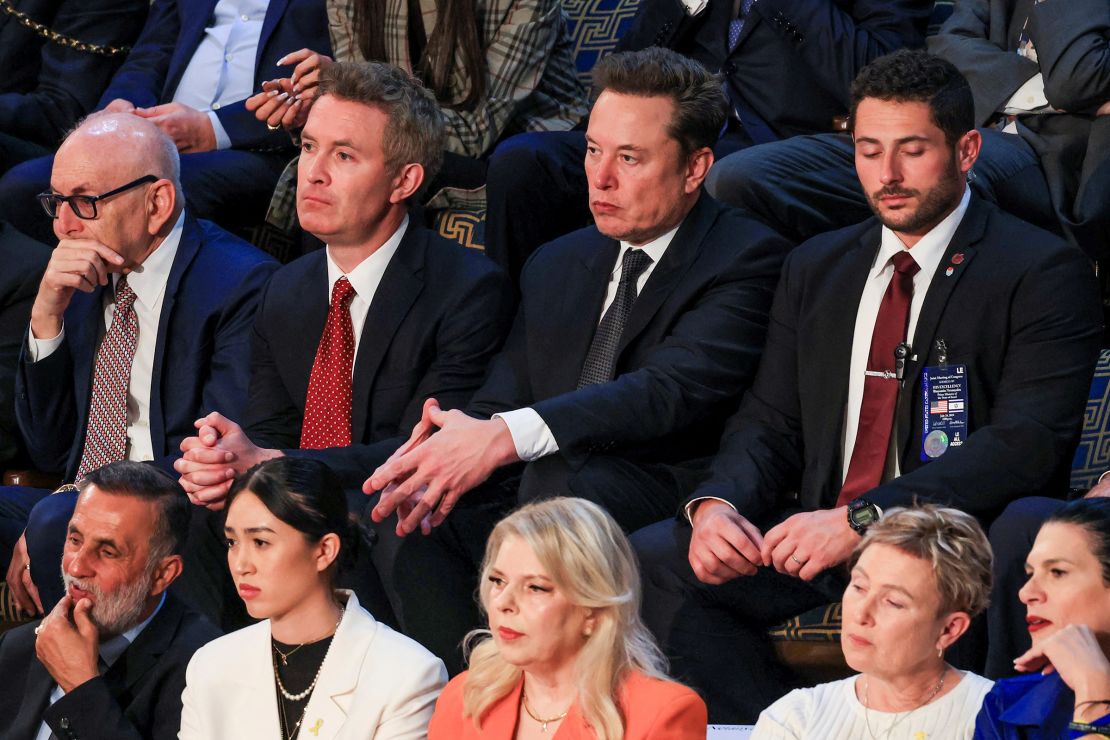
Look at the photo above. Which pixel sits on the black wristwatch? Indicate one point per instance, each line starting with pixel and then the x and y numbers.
pixel 862 514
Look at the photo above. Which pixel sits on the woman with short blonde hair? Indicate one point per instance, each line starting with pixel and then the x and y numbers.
pixel 566 645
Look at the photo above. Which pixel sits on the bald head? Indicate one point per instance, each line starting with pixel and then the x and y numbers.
pixel 122 146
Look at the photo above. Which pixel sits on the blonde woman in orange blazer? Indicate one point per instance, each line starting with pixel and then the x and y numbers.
pixel 566 655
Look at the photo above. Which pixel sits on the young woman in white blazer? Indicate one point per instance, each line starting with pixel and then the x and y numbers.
pixel 319 666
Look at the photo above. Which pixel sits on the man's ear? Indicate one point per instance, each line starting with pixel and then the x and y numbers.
pixel 165 573
pixel 161 202
pixel 697 167
pixel 967 150
pixel 406 182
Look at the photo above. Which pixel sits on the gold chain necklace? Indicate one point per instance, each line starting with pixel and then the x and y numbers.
pixel 286 733
pixel 898 719
pixel 543 722
pixel 285 656
pixel 45 32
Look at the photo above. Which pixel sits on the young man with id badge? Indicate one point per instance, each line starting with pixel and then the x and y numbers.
pixel 941 351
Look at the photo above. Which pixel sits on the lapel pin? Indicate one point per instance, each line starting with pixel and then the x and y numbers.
pixel 957 258
pixel 315 729
pixel 949 271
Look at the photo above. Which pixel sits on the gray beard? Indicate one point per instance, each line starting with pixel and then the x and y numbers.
pixel 115 613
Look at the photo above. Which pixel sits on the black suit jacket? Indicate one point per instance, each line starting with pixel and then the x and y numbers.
pixel 813 49
pixel 440 313
pixel 24 261
pixel 1072 40
pixel 1021 311
pixel 138 698
pixel 201 357
pixel 688 352
pixel 47 87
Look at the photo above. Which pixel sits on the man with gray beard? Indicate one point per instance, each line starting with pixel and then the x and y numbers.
pixel 109 660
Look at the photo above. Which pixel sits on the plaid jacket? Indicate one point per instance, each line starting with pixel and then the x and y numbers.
pixel 532 83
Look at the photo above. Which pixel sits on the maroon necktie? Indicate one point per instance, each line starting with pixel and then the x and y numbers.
pixel 880 385
pixel 327 409
pixel 106 433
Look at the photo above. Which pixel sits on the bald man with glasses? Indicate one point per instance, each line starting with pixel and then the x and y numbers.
pixel 140 325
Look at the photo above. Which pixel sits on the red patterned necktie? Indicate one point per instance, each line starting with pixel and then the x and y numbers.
pixel 327 410
pixel 880 385
pixel 106 434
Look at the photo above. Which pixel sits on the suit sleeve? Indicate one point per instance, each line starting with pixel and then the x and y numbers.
pixel 70 81
pixel 657 23
pixel 143 75
pixel 91 713
pixel 507 386
pixel 407 714
pixel 45 407
pixel 836 42
pixel 26 260
pixel 708 358
pixel 1072 39
pixel 681 718
pixel 993 72
pixel 1055 333
pixel 472 330
pixel 271 418
pixel 761 448
pixel 192 720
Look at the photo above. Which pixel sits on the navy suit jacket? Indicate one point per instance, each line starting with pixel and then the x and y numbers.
pixel 47 87
pixel 138 698
pixel 201 358
pixel 171 36
pixel 1021 310
pixel 440 313
pixel 689 350
pixel 811 48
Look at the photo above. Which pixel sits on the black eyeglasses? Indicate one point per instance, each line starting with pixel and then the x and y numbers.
pixel 84 206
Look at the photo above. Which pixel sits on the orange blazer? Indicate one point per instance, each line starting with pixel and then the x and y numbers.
pixel 653 710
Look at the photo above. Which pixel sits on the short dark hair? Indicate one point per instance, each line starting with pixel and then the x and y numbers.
pixel 146 482
pixel 1093 516
pixel 302 492
pixel 915 76
pixel 700 103
pixel 416 131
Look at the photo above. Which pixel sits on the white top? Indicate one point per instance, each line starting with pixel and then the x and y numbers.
pixel 532 438
pixel 374 683
pixel 831 711
pixel 927 253
pixel 365 279
pixel 149 285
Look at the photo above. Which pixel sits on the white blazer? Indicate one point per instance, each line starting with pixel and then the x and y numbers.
pixel 375 683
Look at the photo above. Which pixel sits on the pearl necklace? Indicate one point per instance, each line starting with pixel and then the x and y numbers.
pixel 311 686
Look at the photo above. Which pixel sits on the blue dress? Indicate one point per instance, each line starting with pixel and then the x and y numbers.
pixel 1032 707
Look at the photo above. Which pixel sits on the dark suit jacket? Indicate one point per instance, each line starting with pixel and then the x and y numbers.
pixel 174 30
pixel 1073 49
pixel 201 358
pixel 24 261
pixel 688 352
pixel 138 698
pixel 1021 311
pixel 47 87
pixel 438 316
pixel 812 49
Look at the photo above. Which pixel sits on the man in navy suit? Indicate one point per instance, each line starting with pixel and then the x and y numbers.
pixel 190 72
pixel 634 341
pixel 192 289
pixel 939 285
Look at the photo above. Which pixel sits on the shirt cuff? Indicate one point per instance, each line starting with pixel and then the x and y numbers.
pixel 688 510
pixel 1029 97
pixel 40 349
pixel 223 141
pixel 531 435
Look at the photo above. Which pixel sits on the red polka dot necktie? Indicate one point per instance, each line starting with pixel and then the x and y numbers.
pixel 106 433
pixel 880 385
pixel 327 410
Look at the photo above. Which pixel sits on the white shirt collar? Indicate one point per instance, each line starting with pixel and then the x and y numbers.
pixel 929 250
pixel 654 249
pixel 368 274
pixel 150 282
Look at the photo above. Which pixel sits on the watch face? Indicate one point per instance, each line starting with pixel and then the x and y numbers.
pixel 865 516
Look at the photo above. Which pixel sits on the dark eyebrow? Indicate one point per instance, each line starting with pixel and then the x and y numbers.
pixel 903 140
pixel 249 530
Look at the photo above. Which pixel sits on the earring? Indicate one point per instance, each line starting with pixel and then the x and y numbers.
pixel 589 631
pixel 940 653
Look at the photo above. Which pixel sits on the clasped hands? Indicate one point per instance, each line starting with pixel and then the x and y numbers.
pixel 212 459
pixel 285 102
pixel 724 545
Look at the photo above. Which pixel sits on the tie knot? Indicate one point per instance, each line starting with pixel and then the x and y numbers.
pixel 905 263
pixel 125 296
pixel 342 293
pixel 634 263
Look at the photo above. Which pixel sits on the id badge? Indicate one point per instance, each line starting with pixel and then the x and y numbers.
pixel 944 412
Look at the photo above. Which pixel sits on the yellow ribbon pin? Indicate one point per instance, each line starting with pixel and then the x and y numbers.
pixel 315 729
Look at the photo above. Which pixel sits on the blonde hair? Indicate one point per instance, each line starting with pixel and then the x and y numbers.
pixel 948 539
pixel 589 559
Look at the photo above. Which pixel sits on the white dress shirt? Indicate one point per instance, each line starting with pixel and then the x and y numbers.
pixel 365 279
pixel 532 438
pixel 110 650
pixel 222 68
pixel 149 286
pixel 927 253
